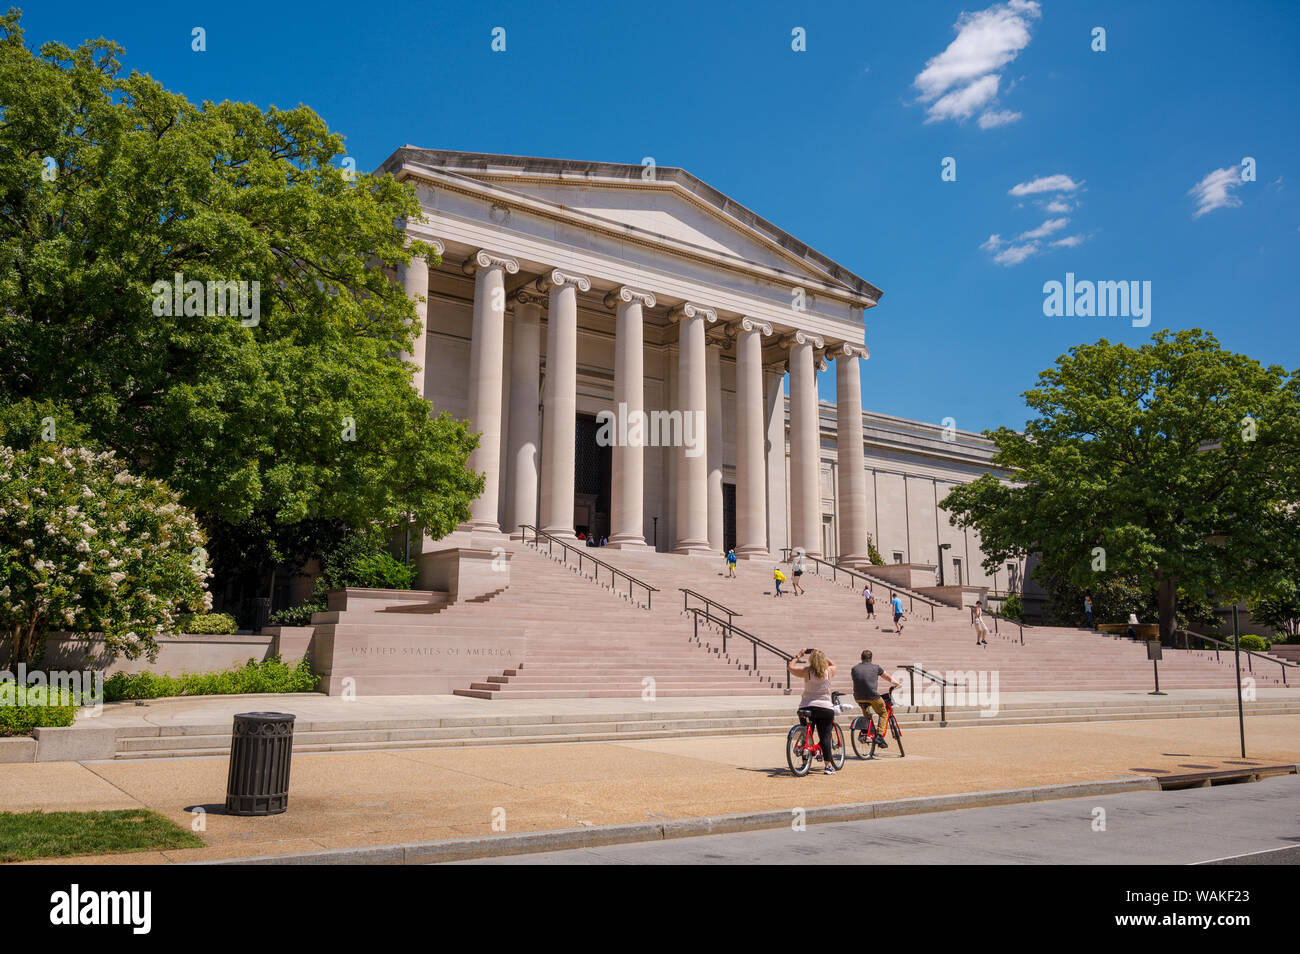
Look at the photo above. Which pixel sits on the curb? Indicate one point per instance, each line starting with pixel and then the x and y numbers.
pixel 461 849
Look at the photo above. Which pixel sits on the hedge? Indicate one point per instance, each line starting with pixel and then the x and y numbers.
pixel 22 716
pixel 272 675
pixel 207 624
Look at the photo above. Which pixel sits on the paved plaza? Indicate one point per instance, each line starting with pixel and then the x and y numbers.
pixel 349 800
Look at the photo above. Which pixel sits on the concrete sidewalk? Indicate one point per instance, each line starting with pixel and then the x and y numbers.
pixel 382 798
pixel 314 708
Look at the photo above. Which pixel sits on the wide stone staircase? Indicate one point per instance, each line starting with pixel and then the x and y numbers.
pixel 589 640
pixel 831 617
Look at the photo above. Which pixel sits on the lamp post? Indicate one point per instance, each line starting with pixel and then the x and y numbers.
pixel 942 547
pixel 1218 540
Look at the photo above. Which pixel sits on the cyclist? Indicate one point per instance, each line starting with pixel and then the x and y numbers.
pixel 817 672
pixel 866 693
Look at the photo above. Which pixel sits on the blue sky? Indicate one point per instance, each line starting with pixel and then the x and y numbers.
pixel 841 144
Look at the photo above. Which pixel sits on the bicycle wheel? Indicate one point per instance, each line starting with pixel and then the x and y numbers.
pixel 858 734
pixel 837 746
pixel 797 754
pixel 898 736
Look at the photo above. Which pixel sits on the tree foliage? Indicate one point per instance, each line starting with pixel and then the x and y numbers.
pixel 1173 465
pixel 89 548
pixel 110 184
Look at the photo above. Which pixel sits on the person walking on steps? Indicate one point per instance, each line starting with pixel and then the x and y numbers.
pixel 871 601
pixel 779 577
pixel 981 627
pixel 797 566
pixel 1087 610
pixel 817 672
pixel 898 614
pixel 731 564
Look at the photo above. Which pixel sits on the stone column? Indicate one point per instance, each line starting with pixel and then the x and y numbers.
pixel 414 277
pixel 751 476
pixel 486 366
pixel 713 386
pixel 627 517
pixel 692 460
pixel 848 440
pixel 559 438
pixel 525 424
pixel 805 442
pixel 774 428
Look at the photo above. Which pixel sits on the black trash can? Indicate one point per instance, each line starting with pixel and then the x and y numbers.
pixel 261 747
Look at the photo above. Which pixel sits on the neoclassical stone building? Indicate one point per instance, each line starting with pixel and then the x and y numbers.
pixel 620 336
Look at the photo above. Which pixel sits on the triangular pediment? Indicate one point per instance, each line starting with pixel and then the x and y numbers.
pixel 673 208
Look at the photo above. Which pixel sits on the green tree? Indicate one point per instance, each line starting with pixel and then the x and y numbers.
pixel 297 406
pixel 1278 607
pixel 1174 464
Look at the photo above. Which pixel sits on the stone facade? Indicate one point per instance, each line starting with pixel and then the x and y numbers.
pixel 611 294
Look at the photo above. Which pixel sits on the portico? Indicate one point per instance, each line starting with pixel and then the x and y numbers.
pixel 572 291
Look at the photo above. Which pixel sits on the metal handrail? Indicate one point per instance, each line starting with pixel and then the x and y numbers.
pixel 1247 652
pixel 926 674
pixel 734 630
pixel 686 601
pixel 614 571
pixel 836 569
pixel 998 615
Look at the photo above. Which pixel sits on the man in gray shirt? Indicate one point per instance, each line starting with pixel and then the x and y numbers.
pixel 866 692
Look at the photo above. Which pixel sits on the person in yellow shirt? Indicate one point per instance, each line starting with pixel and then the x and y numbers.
pixel 779 577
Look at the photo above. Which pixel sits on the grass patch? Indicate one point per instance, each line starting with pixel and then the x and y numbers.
pixel 25 836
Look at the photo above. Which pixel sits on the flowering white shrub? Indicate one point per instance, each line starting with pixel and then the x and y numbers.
pixel 86 547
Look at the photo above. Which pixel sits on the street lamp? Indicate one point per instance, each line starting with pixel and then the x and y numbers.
pixel 1218 540
pixel 942 547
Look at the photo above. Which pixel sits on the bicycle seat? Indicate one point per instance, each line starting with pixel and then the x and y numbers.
pixel 805 711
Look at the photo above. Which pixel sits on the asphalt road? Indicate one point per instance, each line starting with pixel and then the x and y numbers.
pixel 1254 823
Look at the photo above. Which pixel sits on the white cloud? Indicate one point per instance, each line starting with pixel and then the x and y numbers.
pixel 1059 205
pixel 963 79
pixel 1015 254
pixel 1044 230
pixel 1003 117
pixel 1215 191
pixel 993 243
pixel 1056 183
pixel 965 101
pixel 1070 241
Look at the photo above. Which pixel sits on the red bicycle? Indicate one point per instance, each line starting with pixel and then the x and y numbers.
pixel 800 749
pixel 865 737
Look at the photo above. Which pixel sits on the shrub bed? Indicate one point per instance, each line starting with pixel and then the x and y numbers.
pixel 24 708
pixel 272 675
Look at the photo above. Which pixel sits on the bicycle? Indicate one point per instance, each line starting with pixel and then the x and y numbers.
pixel 864 735
pixel 800 749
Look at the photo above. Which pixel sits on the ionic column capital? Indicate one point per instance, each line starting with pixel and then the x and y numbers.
pixel 527 296
pixel 736 328
pixel 846 350
pixel 558 279
pixel 485 259
pixel 802 338
pixel 626 295
pixel 690 309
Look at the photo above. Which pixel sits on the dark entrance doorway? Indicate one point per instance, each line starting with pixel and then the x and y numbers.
pixel 728 517
pixel 593 468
